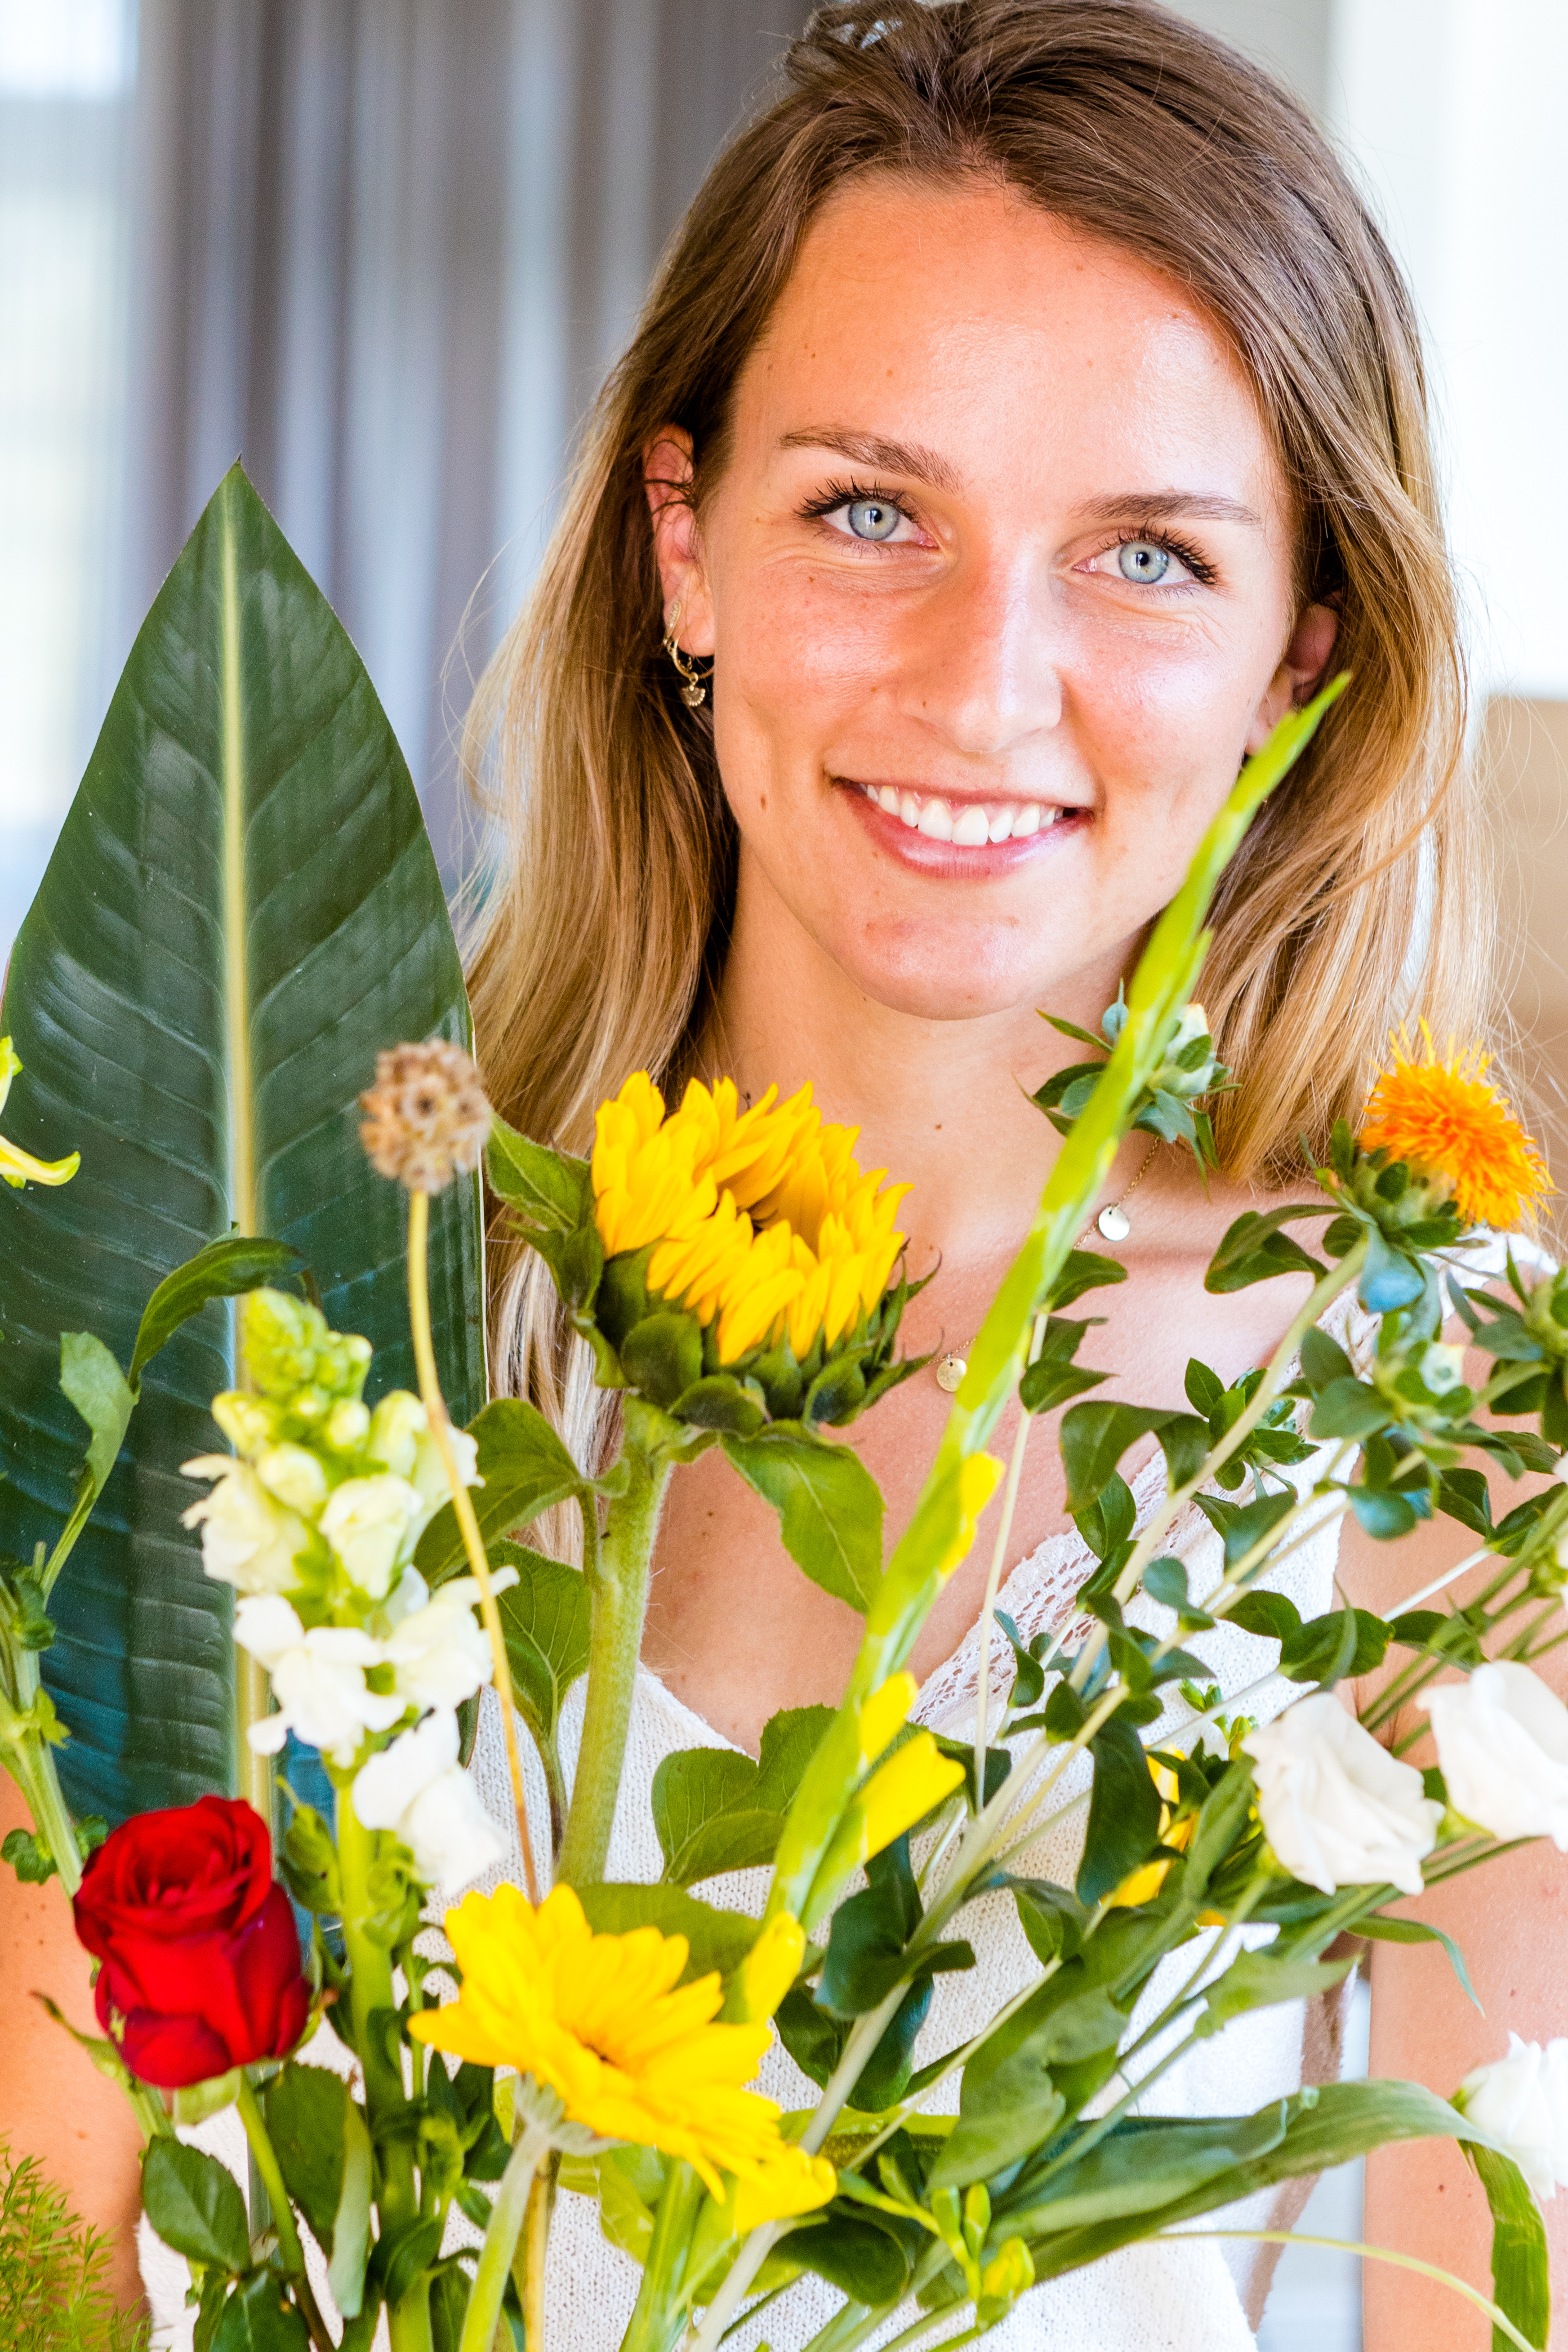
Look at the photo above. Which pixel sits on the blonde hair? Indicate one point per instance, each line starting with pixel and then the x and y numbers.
pixel 1357 893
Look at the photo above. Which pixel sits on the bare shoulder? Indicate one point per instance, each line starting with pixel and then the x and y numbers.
pixel 54 2104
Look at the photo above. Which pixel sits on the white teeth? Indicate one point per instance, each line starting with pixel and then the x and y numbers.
pixel 969 825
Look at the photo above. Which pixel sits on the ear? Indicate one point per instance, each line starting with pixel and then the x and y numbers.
pixel 1302 668
pixel 676 541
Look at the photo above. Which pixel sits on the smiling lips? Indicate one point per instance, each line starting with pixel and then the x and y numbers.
pixel 968 824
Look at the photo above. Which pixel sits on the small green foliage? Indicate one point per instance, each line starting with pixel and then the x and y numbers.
pixel 55 2292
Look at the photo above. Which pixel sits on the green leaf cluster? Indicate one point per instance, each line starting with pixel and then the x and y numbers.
pixel 716 1811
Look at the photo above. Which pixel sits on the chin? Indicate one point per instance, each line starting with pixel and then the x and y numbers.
pixel 944 978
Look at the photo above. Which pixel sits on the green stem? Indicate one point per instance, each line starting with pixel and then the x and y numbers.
pixel 485 2295
pixel 994 1576
pixel 265 2157
pixel 370 1991
pixel 26 1755
pixel 656 2319
pixel 619 1594
pixel 1500 2319
pixel 527 2262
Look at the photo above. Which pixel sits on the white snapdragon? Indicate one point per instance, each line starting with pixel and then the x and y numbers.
pixel 317 1680
pixel 370 1525
pixel 417 1789
pixel 1503 1743
pixel 1337 1809
pixel 249 1539
pixel 1520 2102
pixel 440 1653
pixel 400 1436
pixel 293 1474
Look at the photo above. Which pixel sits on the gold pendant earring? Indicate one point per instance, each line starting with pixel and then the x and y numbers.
pixel 692 689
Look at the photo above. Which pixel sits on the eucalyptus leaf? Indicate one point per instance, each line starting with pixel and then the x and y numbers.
pixel 715 1938
pixel 1123 1813
pixel 546 1620
pixel 830 1511
pixel 525 1468
pixel 258 2319
pixel 193 2203
pixel 706 1816
pixel 241 910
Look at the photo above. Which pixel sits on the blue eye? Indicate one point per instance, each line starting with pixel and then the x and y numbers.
pixel 1141 560
pixel 872 517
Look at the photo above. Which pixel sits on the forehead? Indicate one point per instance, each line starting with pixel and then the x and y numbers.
pixel 959 316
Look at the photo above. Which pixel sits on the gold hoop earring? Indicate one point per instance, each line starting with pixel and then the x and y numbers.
pixel 692 689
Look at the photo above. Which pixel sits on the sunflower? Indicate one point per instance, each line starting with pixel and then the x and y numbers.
pixel 765 1228
pixel 604 2021
pixel 1443 1119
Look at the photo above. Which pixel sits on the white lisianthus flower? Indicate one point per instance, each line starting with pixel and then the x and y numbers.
pixel 369 1524
pixel 1522 2103
pixel 417 1789
pixel 249 1539
pixel 1337 1809
pixel 1502 1742
pixel 317 1680
pixel 440 1654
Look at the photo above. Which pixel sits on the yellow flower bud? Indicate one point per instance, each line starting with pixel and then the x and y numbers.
pixel 1003 2281
pixel 782 2185
pixel 882 1716
pixel 769 1970
pixel 902 1790
pixel 977 1478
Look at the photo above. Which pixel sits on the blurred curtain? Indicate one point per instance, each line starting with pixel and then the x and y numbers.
pixel 384 249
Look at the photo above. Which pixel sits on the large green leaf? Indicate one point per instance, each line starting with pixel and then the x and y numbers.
pixel 242 908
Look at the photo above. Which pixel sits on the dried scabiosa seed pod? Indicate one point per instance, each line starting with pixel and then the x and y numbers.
pixel 427 1116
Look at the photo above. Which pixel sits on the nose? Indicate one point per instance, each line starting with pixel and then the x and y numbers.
pixel 983 671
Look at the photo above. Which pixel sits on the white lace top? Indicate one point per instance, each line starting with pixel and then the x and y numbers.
pixel 1202 2296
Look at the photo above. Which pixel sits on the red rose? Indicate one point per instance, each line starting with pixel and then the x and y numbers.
pixel 201 1961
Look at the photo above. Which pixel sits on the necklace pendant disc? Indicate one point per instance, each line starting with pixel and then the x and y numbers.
pixel 1114 1223
pixel 950 1373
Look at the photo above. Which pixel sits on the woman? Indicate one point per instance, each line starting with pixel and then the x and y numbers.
pixel 1025 416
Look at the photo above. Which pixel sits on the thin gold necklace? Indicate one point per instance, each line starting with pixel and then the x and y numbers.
pixel 1113 1224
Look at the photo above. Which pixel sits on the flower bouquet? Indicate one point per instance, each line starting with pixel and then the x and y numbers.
pixel 354 1572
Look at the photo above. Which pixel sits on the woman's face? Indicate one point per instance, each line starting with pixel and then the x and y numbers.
pixel 997 582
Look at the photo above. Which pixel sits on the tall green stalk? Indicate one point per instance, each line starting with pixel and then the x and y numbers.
pixel 618 1571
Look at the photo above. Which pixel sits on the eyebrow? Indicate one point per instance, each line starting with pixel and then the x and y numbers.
pixel 923 464
pixel 1169 505
pixel 908 457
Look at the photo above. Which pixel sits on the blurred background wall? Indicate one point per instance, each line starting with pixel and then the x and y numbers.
pixel 385 248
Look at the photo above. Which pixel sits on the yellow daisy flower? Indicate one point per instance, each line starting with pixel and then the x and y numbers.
pixel 19 1167
pixel 1443 1118
pixel 602 2021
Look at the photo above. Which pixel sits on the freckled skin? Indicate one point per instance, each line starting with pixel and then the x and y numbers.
pixel 991 650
